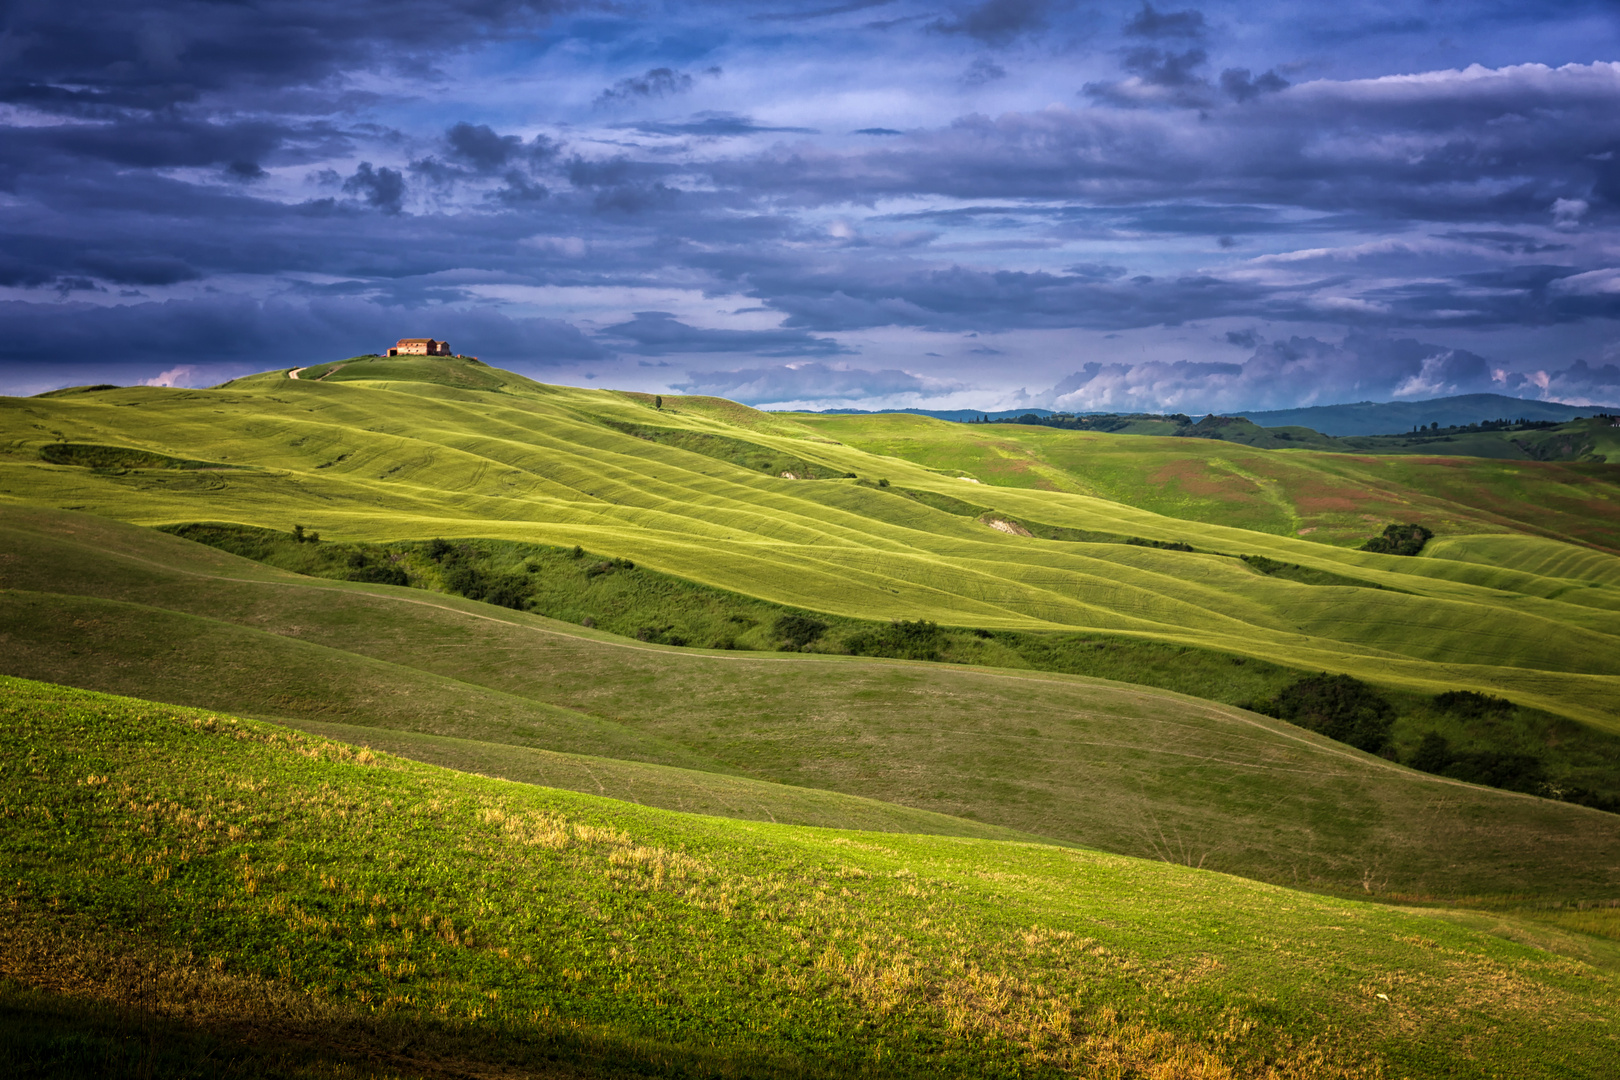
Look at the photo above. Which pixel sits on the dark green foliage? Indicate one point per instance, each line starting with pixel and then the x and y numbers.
pixel 883 483
pixel 64 1037
pixel 1472 706
pixel 377 568
pixel 658 401
pixel 559 582
pixel 1399 540
pixel 799 630
pixel 95 456
pixel 1167 545
pixel 1492 768
pixel 302 537
pixel 946 503
pixel 903 639
pixel 68 391
pixel 1303 574
pixel 1597 800
pixel 1339 706
pixel 1432 754
pixel 740 452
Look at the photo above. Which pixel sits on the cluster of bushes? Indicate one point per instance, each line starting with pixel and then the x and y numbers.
pixel 902 639
pixel 1493 768
pixel 118 458
pixel 1165 545
pixel 1341 707
pixel 613 593
pixel 462 572
pixel 1399 540
pixel 1348 710
pixel 799 631
pixel 607 566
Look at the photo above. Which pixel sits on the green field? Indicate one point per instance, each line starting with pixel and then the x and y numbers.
pixel 294 907
pixel 1026 664
pixel 1106 764
pixel 392 459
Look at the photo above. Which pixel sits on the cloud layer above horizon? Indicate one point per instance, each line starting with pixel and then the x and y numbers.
pixel 881 203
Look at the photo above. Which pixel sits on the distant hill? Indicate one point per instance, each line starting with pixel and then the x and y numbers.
pixel 961 416
pixel 1396 417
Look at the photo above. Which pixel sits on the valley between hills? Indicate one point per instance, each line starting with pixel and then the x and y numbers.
pixel 415 718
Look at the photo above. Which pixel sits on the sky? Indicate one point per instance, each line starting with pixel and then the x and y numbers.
pixel 1090 206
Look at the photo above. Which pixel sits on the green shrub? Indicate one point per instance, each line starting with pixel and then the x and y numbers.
pixel 1492 768
pixel 1471 705
pixel 799 630
pixel 1399 540
pixel 1166 545
pixel 902 639
pixel 1341 707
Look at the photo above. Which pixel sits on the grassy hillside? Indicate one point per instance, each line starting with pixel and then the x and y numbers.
pixel 412 449
pixel 182 881
pixel 1332 497
pixel 94 603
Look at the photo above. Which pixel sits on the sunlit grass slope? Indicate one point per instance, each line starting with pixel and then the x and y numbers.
pixel 1337 497
pixel 790 738
pixel 224 877
pixel 428 447
pixel 441 447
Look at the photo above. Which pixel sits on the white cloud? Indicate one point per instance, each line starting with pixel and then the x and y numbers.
pixel 184 375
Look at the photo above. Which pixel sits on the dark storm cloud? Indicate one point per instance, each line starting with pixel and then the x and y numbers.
pixel 1494 145
pixel 1152 23
pixel 1362 367
pixel 1161 67
pixel 479 146
pixel 658 333
pixel 382 188
pixel 97 58
pixel 355 165
pixel 657 82
pixel 965 298
pixel 999 22
pixel 807 382
pixel 1578 384
pixel 264 334
pixel 1240 85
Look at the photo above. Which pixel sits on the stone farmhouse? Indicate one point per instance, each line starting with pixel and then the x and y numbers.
pixel 419 346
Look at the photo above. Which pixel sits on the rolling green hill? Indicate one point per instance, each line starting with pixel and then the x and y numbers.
pixel 1014 658
pixel 1109 765
pixel 188 890
pixel 407 455
pixel 1325 497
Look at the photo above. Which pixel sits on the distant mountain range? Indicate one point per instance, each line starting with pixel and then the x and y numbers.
pixel 1397 417
pixel 1361 418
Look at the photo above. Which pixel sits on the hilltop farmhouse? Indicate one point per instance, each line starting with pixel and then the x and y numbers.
pixel 419 346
